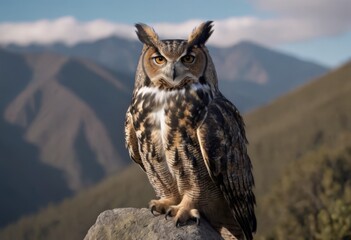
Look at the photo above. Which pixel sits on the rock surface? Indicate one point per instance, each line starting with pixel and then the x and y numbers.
pixel 133 223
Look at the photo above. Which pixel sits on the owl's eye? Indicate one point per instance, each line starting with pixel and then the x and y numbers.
pixel 188 59
pixel 159 60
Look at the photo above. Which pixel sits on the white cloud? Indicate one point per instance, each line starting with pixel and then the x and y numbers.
pixel 328 16
pixel 65 29
pixel 293 21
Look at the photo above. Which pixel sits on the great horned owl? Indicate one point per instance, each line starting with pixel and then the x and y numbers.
pixel 188 138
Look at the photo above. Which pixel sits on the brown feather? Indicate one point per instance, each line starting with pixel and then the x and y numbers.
pixel 201 34
pixel 223 146
pixel 132 141
pixel 147 35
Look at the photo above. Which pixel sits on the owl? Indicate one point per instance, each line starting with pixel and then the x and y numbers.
pixel 188 138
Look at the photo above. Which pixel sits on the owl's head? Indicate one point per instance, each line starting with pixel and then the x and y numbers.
pixel 174 63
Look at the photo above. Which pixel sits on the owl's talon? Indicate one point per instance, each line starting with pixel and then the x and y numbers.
pixel 178 223
pixel 197 221
pixel 168 213
pixel 153 208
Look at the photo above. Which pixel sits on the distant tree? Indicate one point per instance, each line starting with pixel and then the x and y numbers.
pixel 313 199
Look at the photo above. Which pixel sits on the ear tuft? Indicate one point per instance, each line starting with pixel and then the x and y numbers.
pixel 147 35
pixel 201 34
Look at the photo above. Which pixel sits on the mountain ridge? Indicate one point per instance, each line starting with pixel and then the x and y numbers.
pixel 244 69
pixel 54 119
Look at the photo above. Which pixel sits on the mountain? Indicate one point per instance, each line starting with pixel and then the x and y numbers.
pixel 299 122
pixel 72 218
pixel 61 127
pixel 118 54
pixel 288 129
pixel 21 172
pixel 250 75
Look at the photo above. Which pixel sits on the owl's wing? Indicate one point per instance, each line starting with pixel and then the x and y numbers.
pixel 131 140
pixel 223 145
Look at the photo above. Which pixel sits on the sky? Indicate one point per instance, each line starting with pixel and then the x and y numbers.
pixel 317 30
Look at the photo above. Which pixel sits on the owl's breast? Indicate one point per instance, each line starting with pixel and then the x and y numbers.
pixel 165 121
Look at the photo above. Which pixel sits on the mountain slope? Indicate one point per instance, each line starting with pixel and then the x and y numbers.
pixel 297 124
pixel 73 217
pixel 61 128
pixel 313 197
pixel 21 172
pixel 250 75
pixel 116 53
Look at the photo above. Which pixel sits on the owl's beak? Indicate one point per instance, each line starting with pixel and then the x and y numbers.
pixel 173 73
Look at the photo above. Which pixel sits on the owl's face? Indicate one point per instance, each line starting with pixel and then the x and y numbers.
pixel 174 64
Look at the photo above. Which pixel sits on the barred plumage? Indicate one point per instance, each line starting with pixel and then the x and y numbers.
pixel 188 138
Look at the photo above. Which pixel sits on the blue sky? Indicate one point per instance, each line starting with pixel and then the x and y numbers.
pixel 130 11
pixel 319 30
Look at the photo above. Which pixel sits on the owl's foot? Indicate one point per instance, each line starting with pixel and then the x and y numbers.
pixel 161 205
pixel 182 214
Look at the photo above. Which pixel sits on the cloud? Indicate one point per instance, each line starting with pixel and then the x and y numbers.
pixel 66 29
pixel 331 9
pixel 324 17
pixel 291 21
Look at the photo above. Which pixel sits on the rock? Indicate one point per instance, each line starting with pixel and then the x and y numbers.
pixel 133 223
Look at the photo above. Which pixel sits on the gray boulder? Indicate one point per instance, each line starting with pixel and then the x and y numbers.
pixel 133 223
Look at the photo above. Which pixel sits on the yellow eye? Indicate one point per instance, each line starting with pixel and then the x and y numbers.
pixel 188 59
pixel 159 60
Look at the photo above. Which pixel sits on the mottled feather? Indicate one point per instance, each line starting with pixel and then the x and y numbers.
pixel 147 35
pixel 201 34
pixel 132 141
pixel 188 138
pixel 223 145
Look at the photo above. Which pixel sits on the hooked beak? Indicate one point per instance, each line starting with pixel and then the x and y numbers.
pixel 173 72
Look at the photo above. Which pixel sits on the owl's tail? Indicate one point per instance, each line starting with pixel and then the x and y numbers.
pixel 221 219
pixel 229 232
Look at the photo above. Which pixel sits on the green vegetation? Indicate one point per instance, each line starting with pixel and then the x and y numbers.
pixel 300 123
pixel 297 123
pixel 313 199
pixel 300 146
